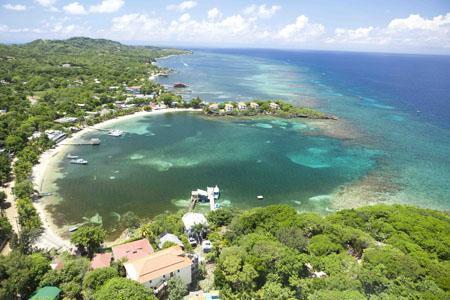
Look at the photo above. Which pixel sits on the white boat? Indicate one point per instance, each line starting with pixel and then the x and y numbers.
pixel 95 141
pixel 79 161
pixel 69 156
pixel 73 228
pixel 115 133
pixel 216 192
pixel 260 197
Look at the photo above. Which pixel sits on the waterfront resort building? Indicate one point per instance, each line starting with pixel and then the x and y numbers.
pixel 133 250
pixel 274 106
pixel 254 105
pixel 229 107
pixel 55 135
pixel 66 120
pixel 155 270
pixel 242 106
pixel 169 238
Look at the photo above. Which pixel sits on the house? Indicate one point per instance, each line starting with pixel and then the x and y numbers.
pixel 55 135
pixel 242 106
pixel 46 293
pixel 274 106
pixel 134 89
pixel 65 120
pixel 169 238
pixel 156 269
pixel 213 107
pixel 229 107
pixel 101 260
pixel 254 105
pixel 191 219
pixel 133 250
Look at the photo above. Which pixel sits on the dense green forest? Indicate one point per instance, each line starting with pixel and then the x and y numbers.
pixel 273 252
pixel 48 79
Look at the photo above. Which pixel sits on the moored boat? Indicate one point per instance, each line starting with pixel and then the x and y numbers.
pixel 70 156
pixel 260 197
pixel 115 133
pixel 95 141
pixel 79 161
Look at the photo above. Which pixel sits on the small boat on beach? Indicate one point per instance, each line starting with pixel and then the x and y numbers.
pixel 180 85
pixel 79 161
pixel 73 228
pixel 260 197
pixel 70 156
pixel 115 133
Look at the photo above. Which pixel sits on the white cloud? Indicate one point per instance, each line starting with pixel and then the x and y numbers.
pixel 185 5
pixel 411 32
pixel 185 17
pixel 49 4
pixel 107 6
pixel 136 26
pixel 300 31
pixel 214 13
pixel 416 22
pixel 75 8
pixel 261 11
pixel 17 7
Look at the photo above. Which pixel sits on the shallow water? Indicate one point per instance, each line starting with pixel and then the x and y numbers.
pixel 149 174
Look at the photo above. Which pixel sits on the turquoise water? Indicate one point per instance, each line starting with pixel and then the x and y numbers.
pixel 154 167
pixel 398 104
pixel 391 144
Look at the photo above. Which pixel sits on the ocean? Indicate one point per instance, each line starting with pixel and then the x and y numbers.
pixel 390 145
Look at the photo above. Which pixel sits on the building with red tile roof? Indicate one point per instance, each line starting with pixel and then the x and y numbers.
pixel 101 260
pixel 133 250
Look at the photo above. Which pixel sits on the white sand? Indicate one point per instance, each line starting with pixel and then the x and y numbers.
pixel 52 236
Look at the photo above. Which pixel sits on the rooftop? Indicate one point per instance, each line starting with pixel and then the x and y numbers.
pixel 133 250
pixel 101 260
pixel 157 264
pixel 190 219
pixel 46 293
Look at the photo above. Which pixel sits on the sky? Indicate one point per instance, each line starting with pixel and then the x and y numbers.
pixel 405 26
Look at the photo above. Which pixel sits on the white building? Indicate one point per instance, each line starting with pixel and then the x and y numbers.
pixel 242 106
pixel 254 105
pixel 229 107
pixel 55 135
pixel 156 269
pixel 169 238
pixel 274 105
pixel 190 219
pixel 213 107
pixel 65 120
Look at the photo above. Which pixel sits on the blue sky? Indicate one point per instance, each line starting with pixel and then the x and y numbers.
pixel 358 25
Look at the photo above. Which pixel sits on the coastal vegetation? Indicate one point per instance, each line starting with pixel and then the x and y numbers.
pixel 276 108
pixel 273 252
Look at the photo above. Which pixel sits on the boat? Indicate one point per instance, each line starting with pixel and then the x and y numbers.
pixel 260 197
pixel 73 228
pixel 79 161
pixel 95 141
pixel 70 156
pixel 115 133
pixel 179 85
pixel 216 192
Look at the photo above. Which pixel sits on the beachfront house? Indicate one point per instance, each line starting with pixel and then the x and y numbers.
pixel 242 106
pixel 254 105
pixel 228 108
pixel 213 107
pixel 274 106
pixel 132 251
pixel 55 135
pixel 169 238
pixel 191 219
pixel 155 270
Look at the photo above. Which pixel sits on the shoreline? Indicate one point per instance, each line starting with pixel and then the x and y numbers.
pixel 52 236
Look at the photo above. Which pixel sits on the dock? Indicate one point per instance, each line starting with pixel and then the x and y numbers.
pixel 210 195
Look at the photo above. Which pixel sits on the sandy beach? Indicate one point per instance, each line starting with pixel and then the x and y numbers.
pixel 54 237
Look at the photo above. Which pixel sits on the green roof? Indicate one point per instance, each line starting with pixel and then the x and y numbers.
pixel 46 293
